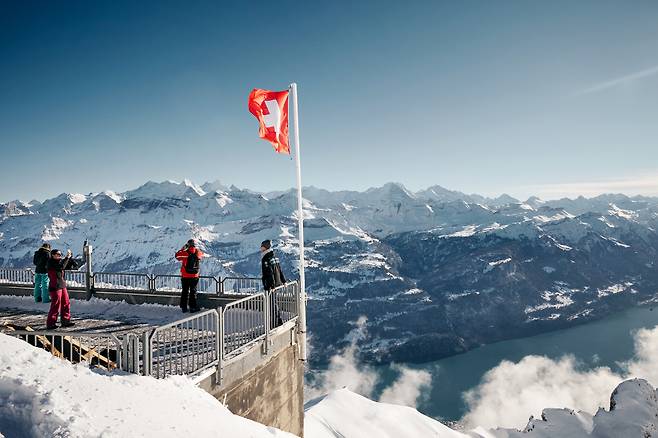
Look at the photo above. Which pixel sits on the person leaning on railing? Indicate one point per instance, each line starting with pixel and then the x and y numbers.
pixel 272 278
pixel 59 296
pixel 40 260
pixel 190 258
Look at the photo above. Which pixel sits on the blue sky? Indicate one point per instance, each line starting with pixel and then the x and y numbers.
pixel 553 98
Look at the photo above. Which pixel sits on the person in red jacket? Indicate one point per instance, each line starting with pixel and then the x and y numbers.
pixel 190 258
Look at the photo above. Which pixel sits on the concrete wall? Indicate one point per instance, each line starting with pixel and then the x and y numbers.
pixel 265 387
pixel 273 394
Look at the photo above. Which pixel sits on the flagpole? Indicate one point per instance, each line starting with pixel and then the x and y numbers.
pixel 301 299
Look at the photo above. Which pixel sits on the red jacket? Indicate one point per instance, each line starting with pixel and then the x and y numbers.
pixel 181 255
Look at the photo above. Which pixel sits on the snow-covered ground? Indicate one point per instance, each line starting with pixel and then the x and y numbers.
pixel 42 396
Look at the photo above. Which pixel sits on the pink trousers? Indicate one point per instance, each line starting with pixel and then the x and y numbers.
pixel 59 304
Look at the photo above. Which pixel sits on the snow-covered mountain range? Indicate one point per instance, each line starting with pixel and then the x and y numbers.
pixel 436 271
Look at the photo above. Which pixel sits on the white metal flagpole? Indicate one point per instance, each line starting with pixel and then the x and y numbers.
pixel 301 300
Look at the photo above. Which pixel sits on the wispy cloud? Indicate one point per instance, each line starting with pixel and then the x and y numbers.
pixel 509 393
pixel 345 370
pixel 646 185
pixel 624 80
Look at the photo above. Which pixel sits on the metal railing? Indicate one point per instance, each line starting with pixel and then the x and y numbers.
pixel 172 283
pixel 243 323
pixel 122 281
pixel 187 346
pixel 96 349
pixel 134 353
pixel 139 282
pixel 283 304
pixel 75 279
pixel 241 285
pixel 16 276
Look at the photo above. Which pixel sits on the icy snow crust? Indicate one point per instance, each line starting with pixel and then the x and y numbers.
pixel 42 396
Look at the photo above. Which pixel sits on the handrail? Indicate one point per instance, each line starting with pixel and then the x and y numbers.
pixel 240 285
pixel 16 276
pixel 171 282
pixel 138 281
pixel 121 280
pixel 283 304
pixel 187 346
pixel 243 323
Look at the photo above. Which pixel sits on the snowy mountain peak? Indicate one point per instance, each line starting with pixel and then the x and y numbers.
pixel 166 190
pixel 199 191
pixel 506 199
pixel 392 190
pixel 214 186
pixel 535 201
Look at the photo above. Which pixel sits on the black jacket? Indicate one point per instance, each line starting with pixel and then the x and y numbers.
pixel 56 270
pixel 272 273
pixel 40 260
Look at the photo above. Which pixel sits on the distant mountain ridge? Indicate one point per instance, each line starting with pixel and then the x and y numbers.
pixel 436 271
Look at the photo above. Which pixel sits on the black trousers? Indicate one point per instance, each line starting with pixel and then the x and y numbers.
pixel 275 313
pixel 188 294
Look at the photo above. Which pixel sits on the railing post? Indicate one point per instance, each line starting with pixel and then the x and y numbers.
pixel 125 356
pixel 89 275
pixel 220 345
pixel 146 352
pixel 266 313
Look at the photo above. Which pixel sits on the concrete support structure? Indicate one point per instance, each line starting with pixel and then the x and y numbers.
pixel 265 387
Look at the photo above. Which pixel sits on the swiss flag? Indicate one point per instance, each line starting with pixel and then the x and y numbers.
pixel 271 110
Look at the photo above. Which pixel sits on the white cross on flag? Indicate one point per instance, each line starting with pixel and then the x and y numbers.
pixel 271 110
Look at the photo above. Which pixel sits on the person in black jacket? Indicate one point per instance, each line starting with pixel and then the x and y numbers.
pixel 270 267
pixel 40 260
pixel 272 278
pixel 59 296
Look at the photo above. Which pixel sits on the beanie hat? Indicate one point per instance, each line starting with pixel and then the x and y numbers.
pixel 266 244
pixel 191 242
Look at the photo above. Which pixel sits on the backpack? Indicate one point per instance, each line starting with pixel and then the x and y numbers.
pixel 275 268
pixel 192 264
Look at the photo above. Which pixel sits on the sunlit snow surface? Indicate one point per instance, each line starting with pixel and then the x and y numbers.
pixel 42 396
pixel 343 414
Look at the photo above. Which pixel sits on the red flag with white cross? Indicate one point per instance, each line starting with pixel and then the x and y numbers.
pixel 271 110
